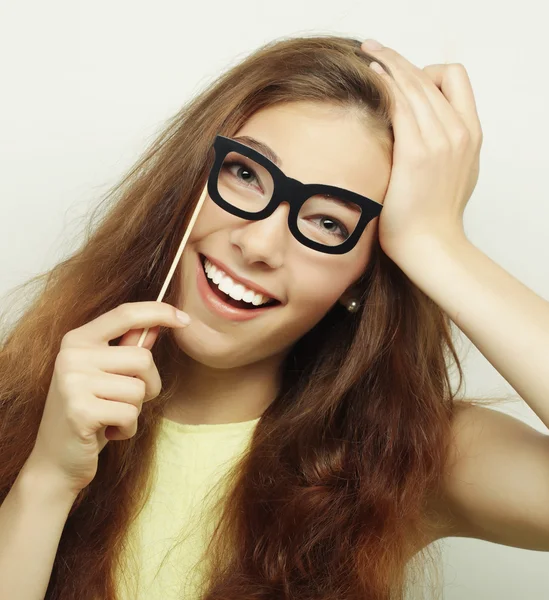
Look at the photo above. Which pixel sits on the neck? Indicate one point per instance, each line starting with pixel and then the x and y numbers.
pixel 208 395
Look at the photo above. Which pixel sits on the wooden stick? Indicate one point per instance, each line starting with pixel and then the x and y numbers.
pixel 177 257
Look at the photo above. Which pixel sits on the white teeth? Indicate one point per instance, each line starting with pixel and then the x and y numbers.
pixel 248 296
pixel 233 289
pixel 237 291
pixel 226 284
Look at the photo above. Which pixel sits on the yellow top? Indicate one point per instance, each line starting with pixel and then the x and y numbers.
pixel 190 460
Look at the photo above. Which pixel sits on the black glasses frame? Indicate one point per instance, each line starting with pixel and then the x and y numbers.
pixel 287 189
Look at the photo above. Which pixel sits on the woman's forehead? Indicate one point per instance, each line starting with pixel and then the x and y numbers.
pixel 316 144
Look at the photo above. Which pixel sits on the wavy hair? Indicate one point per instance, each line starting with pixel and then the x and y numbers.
pixel 330 500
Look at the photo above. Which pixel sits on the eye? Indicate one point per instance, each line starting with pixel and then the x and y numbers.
pixel 335 226
pixel 243 173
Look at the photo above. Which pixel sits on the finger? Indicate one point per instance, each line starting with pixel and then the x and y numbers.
pixel 114 434
pixel 447 88
pixel 119 388
pixel 454 83
pixel 421 95
pixel 113 420
pixel 130 361
pixel 120 320
pixel 402 114
pixel 132 337
pixel 102 436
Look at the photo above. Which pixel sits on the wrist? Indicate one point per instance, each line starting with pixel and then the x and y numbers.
pixel 420 249
pixel 45 486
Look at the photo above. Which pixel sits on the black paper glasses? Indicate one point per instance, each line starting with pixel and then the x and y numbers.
pixel 326 218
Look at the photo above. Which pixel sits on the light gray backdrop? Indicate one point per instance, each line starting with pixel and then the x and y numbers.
pixel 86 85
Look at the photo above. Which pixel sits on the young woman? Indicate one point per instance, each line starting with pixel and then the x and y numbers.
pixel 308 448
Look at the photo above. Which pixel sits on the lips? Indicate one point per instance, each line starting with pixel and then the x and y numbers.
pixel 229 299
pixel 219 306
pixel 235 277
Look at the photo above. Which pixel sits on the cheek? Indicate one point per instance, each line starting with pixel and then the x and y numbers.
pixel 316 293
pixel 210 218
pixel 318 284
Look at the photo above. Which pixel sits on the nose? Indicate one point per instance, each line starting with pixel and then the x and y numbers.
pixel 265 240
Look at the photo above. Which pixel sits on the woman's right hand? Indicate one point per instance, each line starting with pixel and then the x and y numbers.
pixel 97 391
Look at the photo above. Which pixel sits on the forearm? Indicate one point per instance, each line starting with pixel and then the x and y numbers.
pixel 506 320
pixel 32 518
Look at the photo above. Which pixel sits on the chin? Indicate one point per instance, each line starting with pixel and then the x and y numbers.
pixel 221 353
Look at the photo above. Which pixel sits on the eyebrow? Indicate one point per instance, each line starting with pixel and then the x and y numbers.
pixel 350 205
pixel 260 147
pixel 272 156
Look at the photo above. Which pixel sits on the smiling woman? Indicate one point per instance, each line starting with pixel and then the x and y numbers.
pixel 303 438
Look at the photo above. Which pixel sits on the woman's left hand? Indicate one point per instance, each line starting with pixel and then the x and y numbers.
pixel 436 152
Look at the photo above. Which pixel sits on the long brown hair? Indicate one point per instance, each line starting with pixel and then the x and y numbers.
pixel 330 500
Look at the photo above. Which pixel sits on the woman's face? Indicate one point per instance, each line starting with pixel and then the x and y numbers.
pixel 316 143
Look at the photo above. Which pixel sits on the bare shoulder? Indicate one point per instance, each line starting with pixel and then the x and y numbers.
pixel 496 483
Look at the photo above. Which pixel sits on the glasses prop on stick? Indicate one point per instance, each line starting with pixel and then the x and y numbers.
pixel 177 257
pixel 348 211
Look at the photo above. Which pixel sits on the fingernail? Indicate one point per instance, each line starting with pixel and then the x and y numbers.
pixel 376 67
pixel 372 44
pixel 183 317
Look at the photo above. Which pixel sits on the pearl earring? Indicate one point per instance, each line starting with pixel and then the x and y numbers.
pixel 352 306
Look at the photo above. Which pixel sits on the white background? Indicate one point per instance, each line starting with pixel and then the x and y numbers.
pixel 87 85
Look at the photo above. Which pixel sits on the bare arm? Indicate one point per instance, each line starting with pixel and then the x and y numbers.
pixel 32 518
pixel 497 484
pixel 74 429
pixel 503 318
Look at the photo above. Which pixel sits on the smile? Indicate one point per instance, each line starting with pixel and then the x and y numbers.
pixel 218 293
pixel 232 288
